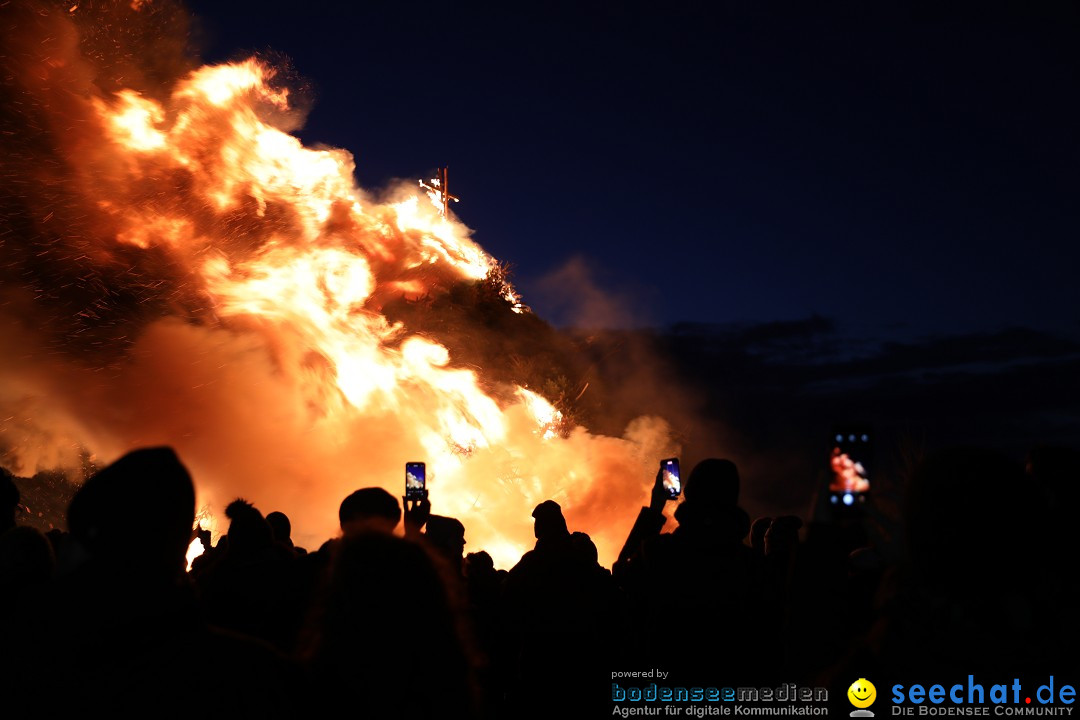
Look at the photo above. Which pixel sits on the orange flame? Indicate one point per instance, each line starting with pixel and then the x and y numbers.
pixel 290 385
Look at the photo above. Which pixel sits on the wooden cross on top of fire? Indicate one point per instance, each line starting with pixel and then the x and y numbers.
pixel 439 191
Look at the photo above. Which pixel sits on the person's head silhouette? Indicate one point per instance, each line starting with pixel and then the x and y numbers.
pixel 447 536
pixel 281 527
pixel 549 521
pixel 248 530
pixel 713 482
pixel 370 508
pixel 146 496
pixel 711 500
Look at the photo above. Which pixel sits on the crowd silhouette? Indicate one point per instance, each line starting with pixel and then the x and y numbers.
pixel 974 575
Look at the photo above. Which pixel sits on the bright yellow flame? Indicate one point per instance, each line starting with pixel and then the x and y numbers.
pixel 134 120
pixel 547 417
pixel 195 549
pixel 278 243
pixel 221 84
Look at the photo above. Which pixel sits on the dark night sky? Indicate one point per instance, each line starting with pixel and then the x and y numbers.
pixel 720 162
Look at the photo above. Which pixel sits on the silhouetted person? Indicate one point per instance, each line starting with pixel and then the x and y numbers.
pixel 249 532
pixel 9 500
pixel 588 556
pixel 248 586
pixel 26 593
pixel 446 536
pixel 698 586
pixel 971 521
pixel 484 586
pixel 757 535
pixel 775 542
pixel 107 514
pixel 826 595
pixel 781 538
pixel 557 619
pixel 26 558
pixel 976 587
pixel 26 555
pixel 369 509
pixel 135 637
pixel 281 527
pixel 385 638
pixel 713 486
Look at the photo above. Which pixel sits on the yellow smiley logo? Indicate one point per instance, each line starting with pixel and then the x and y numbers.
pixel 862 693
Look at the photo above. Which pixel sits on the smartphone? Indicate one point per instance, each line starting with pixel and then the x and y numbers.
pixel 669 467
pixel 849 465
pixel 415 481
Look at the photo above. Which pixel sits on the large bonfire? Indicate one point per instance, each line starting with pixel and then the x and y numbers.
pixel 179 269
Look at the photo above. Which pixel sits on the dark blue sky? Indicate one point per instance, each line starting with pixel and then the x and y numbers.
pixel 720 162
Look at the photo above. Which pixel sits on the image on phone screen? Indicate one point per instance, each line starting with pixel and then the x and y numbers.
pixel 671 477
pixel 415 480
pixel 849 464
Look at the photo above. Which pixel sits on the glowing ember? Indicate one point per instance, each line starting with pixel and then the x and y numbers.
pixel 260 349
